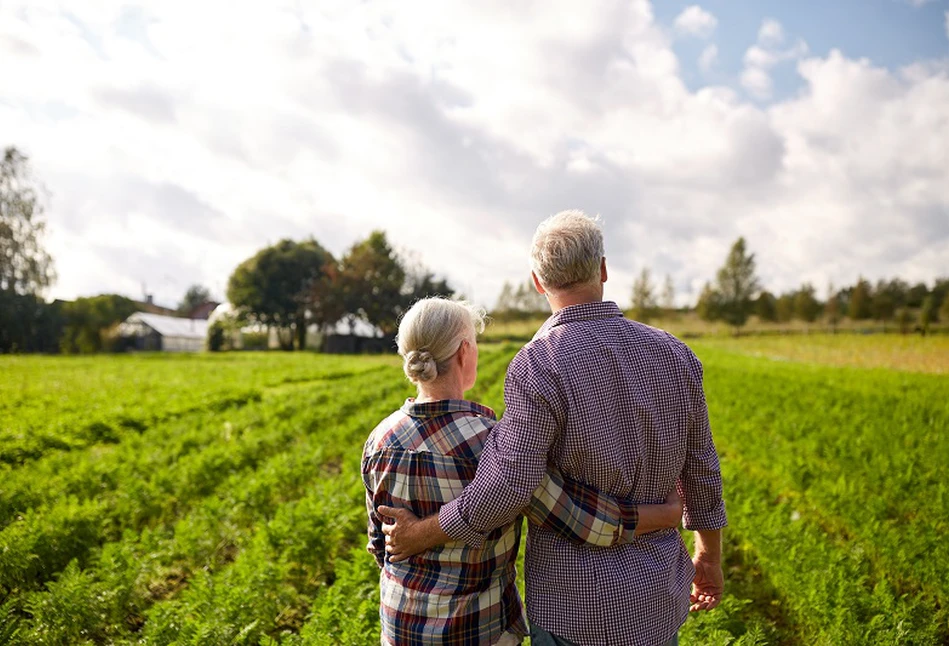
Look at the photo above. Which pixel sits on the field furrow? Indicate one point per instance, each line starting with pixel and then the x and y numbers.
pixel 221 502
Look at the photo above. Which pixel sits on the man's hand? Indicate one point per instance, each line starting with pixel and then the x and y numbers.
pixel 407 535
pixel 708 584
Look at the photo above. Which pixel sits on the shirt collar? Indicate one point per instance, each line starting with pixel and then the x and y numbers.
pixel 443 407
pixel 581 312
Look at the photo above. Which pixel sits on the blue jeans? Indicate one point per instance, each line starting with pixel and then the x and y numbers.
pixel 540 637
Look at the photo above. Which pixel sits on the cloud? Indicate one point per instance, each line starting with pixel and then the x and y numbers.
pixel 175 146
pixel 708 58
pixel 148 103
pixel 761 57
pixel 771 33
pixel 695 21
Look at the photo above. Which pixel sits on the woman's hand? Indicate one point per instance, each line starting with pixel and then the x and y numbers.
pixel 407 535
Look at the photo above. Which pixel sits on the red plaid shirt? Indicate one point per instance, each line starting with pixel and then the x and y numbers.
pixel 620 406
pixel 421 457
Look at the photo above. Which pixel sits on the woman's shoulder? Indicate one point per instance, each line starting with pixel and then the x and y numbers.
pixel 459 431
pixel 389 433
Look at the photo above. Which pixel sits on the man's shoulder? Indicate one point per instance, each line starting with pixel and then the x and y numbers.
pixel 659 336
pixel 654 345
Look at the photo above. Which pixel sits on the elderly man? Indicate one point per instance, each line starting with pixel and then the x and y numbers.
pixel 614 404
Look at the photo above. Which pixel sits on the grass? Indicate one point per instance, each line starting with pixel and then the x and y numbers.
pixel 227 508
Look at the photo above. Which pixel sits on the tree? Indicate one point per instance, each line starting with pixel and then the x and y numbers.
pixel 708 306
pixel 904 319
pixel 737 285
pixel 196 295
pixel 420 281
pixel 860 301
pixel 927 314
pixel 784 307
pixel 916 295
pixel 883 305
pixel 372 280
pixel 832 307
pixel 806 306
pixel 766 307
pixel 528 301
pixel 668 298
pixel 944 310
pixel 940 294
pixel 27 322
pixel 521 302
pixel 87 322
pixel 275 287
pixel 645 306
pixel 897 289
pixel 25 266
pixel 505 304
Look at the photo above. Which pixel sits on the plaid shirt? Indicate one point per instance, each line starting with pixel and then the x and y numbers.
pixel 421 457
pixel 620 406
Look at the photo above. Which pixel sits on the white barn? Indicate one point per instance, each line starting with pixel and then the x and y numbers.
pixel 165 333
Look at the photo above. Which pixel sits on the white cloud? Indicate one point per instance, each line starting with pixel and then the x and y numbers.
pixel 761 57
pixel 708 58
pixel 771 33
pixel 175 146
pixel 695 21
pixel 757 81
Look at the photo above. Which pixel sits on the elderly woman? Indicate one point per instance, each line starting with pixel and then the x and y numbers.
pixel 423 455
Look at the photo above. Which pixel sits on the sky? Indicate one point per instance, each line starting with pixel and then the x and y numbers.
pixel 177 138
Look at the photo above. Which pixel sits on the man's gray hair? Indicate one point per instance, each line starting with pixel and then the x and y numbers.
pixel 567 250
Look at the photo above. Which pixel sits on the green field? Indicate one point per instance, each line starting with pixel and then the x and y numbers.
pixel 216 499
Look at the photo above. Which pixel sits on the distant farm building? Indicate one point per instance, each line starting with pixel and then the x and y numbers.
pixel 350 336
pixel 158 332
pixel 357 337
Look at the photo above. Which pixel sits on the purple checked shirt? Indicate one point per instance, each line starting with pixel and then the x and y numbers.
pixel 617 405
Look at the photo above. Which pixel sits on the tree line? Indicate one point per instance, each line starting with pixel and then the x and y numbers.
pixel 736 295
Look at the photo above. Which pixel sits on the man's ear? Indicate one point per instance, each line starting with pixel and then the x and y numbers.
pixel 540 288
pixel 603 275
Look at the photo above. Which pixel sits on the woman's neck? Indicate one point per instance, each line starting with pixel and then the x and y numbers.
pixel 435 392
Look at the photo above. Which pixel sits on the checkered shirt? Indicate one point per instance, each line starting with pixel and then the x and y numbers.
pixel 618 405
pixel 422 456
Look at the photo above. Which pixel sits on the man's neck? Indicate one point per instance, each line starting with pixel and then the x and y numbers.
pixel 578 296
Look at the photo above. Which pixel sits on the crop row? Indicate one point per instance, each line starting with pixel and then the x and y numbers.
pixel 76 405
pixel 107 599
pixel 46 538
pixel 99 471
pixel 831 479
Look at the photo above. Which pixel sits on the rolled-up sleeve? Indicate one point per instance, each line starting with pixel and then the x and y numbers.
pixel 700 484
pixel 377 544
pixel 514 458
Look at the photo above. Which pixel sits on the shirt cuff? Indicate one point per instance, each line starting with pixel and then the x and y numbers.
pixel 705 520
pixel 451 522
pixel 626 530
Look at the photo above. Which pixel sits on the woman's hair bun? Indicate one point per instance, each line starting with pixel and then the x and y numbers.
pixel 420 366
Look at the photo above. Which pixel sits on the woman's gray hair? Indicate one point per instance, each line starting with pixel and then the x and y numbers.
pixel 567 250
pixel 431 332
